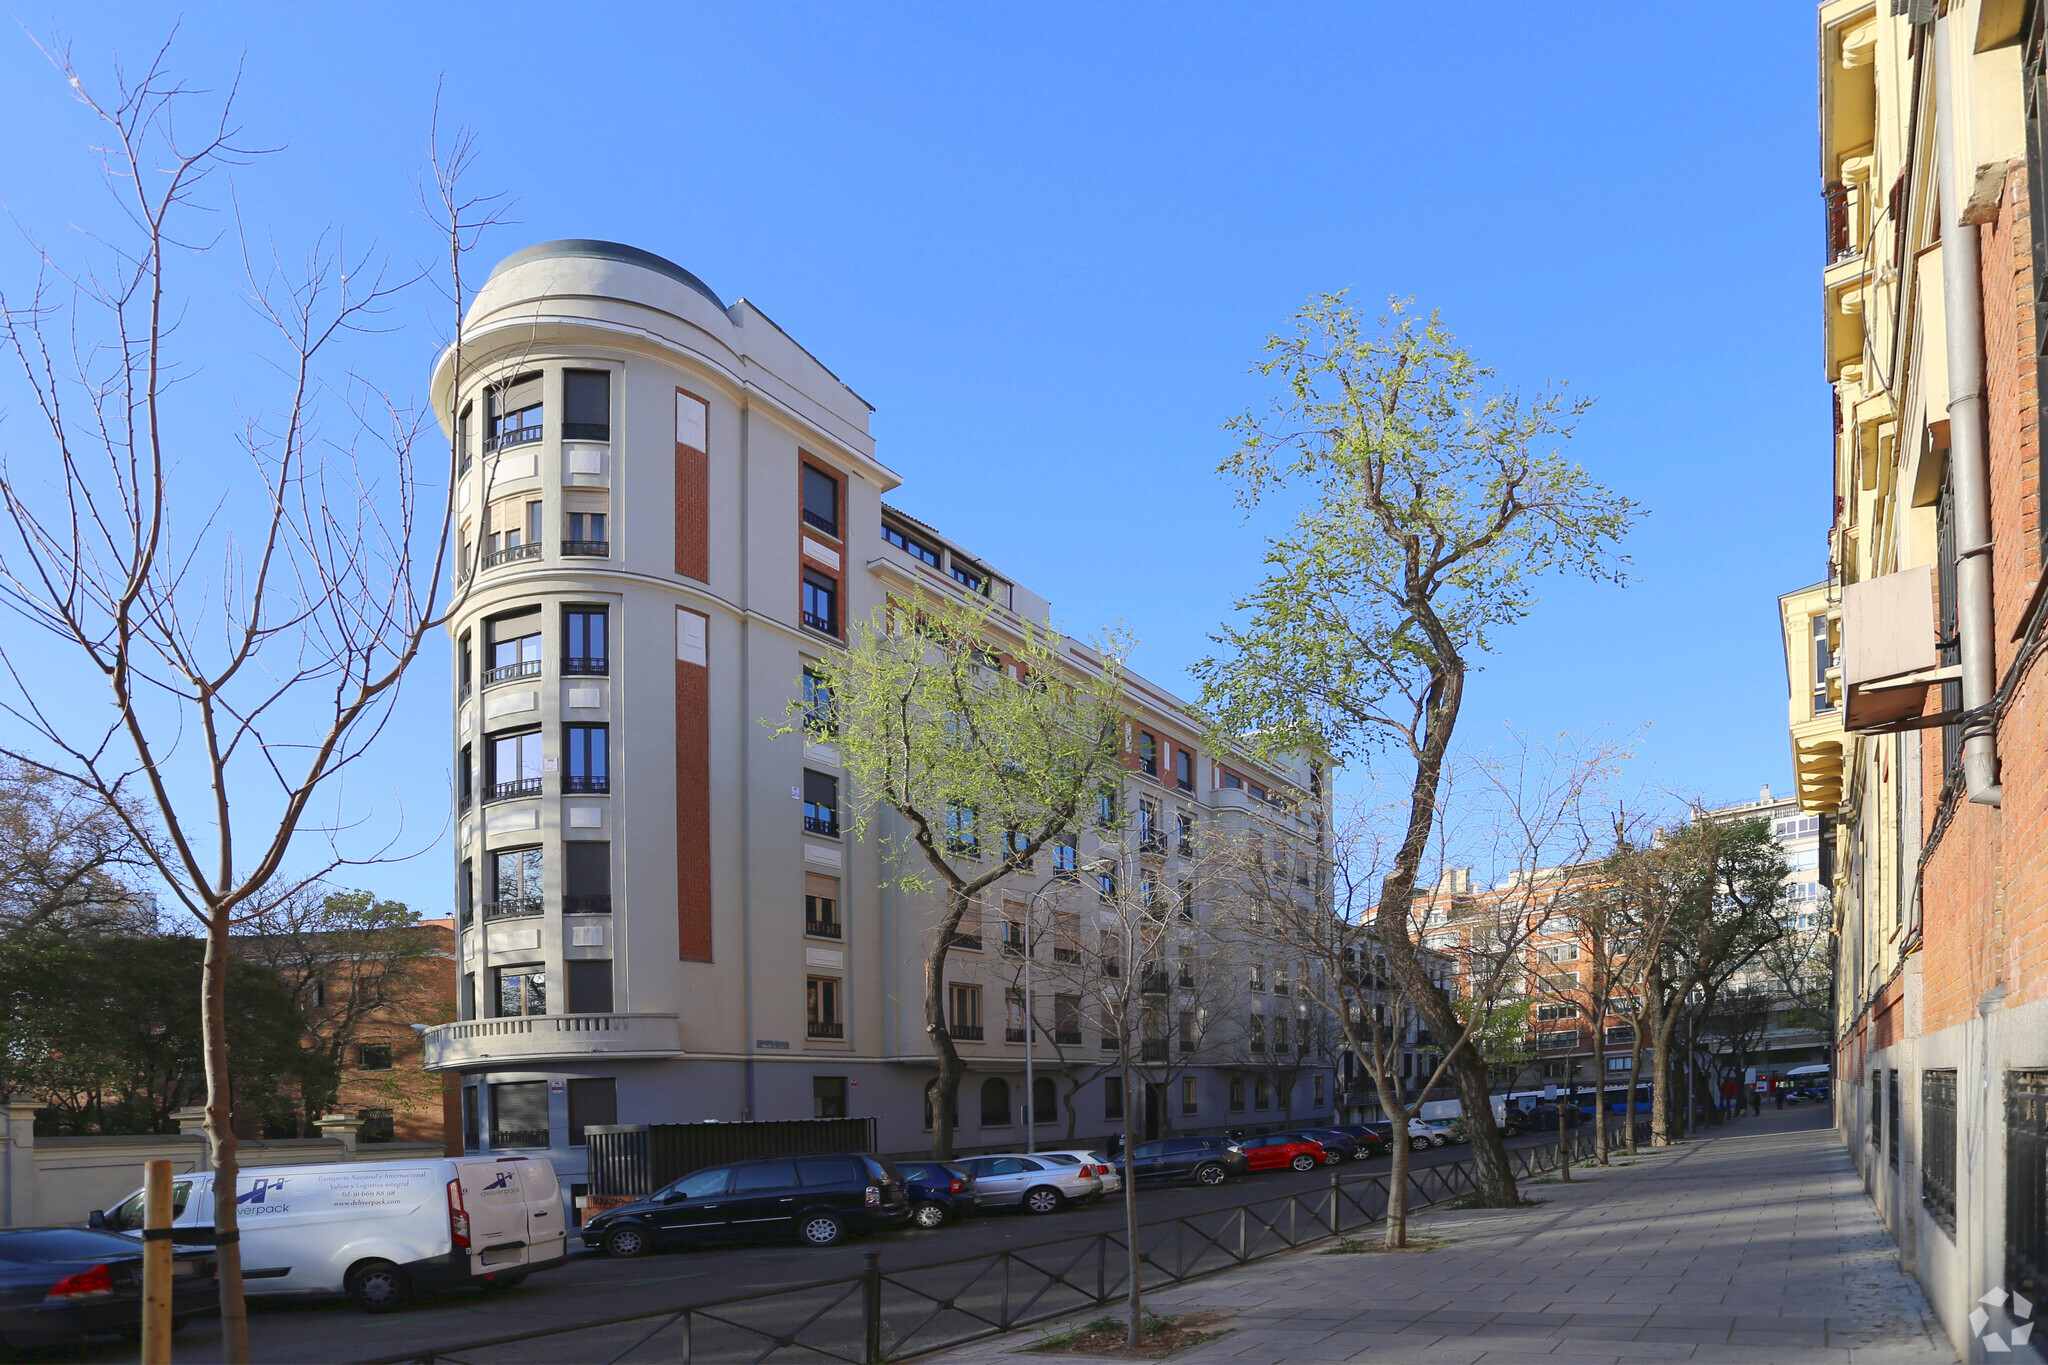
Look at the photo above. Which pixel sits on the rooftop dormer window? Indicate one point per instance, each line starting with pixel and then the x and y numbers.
pixel 910 544
pixel 972 578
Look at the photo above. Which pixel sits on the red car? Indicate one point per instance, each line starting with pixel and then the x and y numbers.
pixel 1279 1152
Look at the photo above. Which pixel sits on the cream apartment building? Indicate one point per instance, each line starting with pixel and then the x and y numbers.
pixel 666 507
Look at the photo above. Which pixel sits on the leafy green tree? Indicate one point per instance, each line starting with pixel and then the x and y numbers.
pixel 1434 504
pixel 106 1032
pixel 983 739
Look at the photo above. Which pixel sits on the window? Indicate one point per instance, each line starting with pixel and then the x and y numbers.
pixel 1066 1019
pixel 820 602
pixel 910 544
pixel 1148 753
pixel 821 500
pixel 463 662
pixel 969 577
pixel 1112 1097
pixel 821 906
pixel 1066 936
pixel 514 648
pixel 586 406
pixel 1547 1013
pixel 465 893
pixel 590 985
pixel 1111 949
pixel 522 990
pixel 967 933
pixel 1183 769
pixel 515 766
pixel 1045 1103
pixel 1621 1063
pixel 1621 1035
pixel 515 883
pixel 1262 1093
pixel 1105 887
pixel 1016 930
pixel 1938 1146
pixel 960 835
pixel 464 426
pixel 1105 809
pixel 1557 1040
pixel 1892 1117
pixel 511 531
pixel 1150 838
pixel 821 1008
pixel 995 1103
pixel 587 877
pixel 519 1114
pixel 378 1125
pixel 828 1097
pixel 1823 660
pixel 593 1100
pixel 1190 1096
pixel 964 1011
pixel 821 804
pixel 589 768
pixel 586 644
pixel 589 534
pixel 818 722
pixel 1184 834
pixel 1258 979
pixel 1319 1092
pixel 1186 975
pixel 1187 1031
pixel 1875 1097
pixel 1257 1036
pixel 1237 1094
pixel 373 1057
pixel 465 777
pixel 1559 952
pixel 1065 857
pixel 1013 1016
pixel 514 413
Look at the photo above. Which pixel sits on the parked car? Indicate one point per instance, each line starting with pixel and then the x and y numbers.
pixel 378 1231
pixel 62 1285
pixel 1199 1160
pixel 1338 1148
pixel 1421 1134
pixel 1370 1143
pixel 939 1192
pixel 1112 1180
pixel 1279 1152
pixel 821 1199
pixel 1035 1183
pixel 1543 1117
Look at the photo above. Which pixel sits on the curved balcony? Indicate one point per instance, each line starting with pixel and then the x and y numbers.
pixel 542 1040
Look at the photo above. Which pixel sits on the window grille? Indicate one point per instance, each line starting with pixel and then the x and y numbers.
pixel 2026 1183
pixel 1938 1146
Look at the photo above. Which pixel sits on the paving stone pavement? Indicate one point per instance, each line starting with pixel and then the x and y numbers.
pixel 1755 1246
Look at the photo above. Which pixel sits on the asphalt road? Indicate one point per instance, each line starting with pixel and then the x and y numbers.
pixel 595 1287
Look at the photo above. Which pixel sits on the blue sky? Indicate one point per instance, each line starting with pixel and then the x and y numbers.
pixel 1046 241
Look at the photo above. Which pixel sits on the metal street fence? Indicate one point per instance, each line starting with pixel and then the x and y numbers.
pixel 881 1315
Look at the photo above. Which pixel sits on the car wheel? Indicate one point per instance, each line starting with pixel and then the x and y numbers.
pixel 627 1241
pixel 379 1287
pixel 1209 1173
pixel 929 1214
pixel 1439 1141
pixel 1043 1199
pixel 1304 1162
pixel 821 1230
pixel 1420 1144
pixel 1333 1158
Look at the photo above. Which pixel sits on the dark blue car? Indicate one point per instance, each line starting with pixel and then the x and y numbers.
pixel 939 1192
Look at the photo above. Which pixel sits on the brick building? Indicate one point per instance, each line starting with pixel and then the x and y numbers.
pixel 1917 717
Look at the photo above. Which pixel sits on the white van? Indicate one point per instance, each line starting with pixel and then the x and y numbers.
pixel 379 1231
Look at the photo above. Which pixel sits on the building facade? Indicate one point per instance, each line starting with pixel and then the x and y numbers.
pixel 666 507
pixel 1916 716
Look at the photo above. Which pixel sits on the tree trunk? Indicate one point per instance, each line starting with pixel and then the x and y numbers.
pixel 1492 1171
pixel 220 1138
pixel 1660 1094
pixel 1600 1090
pixel 946 1090
pixel 1397 1182
pixel 1635 1075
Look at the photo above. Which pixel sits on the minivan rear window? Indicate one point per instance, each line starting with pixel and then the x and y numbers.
pixel 764 1175
pixel 827 1170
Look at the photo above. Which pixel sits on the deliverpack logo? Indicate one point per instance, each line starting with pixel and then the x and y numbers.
pixel 2020 1309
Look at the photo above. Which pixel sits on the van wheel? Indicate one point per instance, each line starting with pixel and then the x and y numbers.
pixel 821 1230
pixel 1209 1173
pixel 625 1241
pixel 929 1214
pixel 1043 1199
pixel 379 1287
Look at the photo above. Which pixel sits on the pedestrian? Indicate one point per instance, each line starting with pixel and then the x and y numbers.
pixel 1756 1102
pixel 1778 1090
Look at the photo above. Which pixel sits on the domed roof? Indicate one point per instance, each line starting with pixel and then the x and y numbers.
pixel 607 251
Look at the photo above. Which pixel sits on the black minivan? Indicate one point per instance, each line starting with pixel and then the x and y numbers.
pixel 820 1199
pixel 1202 1160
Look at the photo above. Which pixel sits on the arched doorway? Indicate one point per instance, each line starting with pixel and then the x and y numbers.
pixel 995 1103
pixel 1045 1101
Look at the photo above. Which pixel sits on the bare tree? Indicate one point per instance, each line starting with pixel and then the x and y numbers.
pixel 72 858
pixel 250 623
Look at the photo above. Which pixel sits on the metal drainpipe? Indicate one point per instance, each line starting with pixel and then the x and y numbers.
pixel 1963 317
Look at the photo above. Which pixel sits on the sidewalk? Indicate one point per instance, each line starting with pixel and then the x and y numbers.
pixel 1756 1246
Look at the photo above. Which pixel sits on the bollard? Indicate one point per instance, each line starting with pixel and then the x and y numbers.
pixel 156 1263
pixel 1334 1197
pixel 871 1308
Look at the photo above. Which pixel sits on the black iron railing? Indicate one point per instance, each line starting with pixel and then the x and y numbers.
pixel 821 1028
pixel 588 667
pixel 971 1032
pixel 530 550
pixel 586 431
pixel 822 824
pixel 821 928
pixel 881 1315
pixel 515 436
pixel 587 905
pixel 588 549
pixel 597 783
pixel 505 791
pixel 519 1137
pixel 1013 1035
pixel 518 907
pixel 1938 1146
pixel 2026 1183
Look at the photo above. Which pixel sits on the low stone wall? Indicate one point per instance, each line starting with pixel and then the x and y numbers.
pixel 60 1180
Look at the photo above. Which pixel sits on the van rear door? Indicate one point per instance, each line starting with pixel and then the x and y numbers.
pixel 547 1229
pixel 494 1196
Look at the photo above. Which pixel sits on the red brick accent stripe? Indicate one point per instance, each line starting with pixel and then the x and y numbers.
pixel 693 494
pixel 693 811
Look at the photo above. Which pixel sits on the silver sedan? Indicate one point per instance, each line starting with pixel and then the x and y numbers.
pixel 1036 1183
